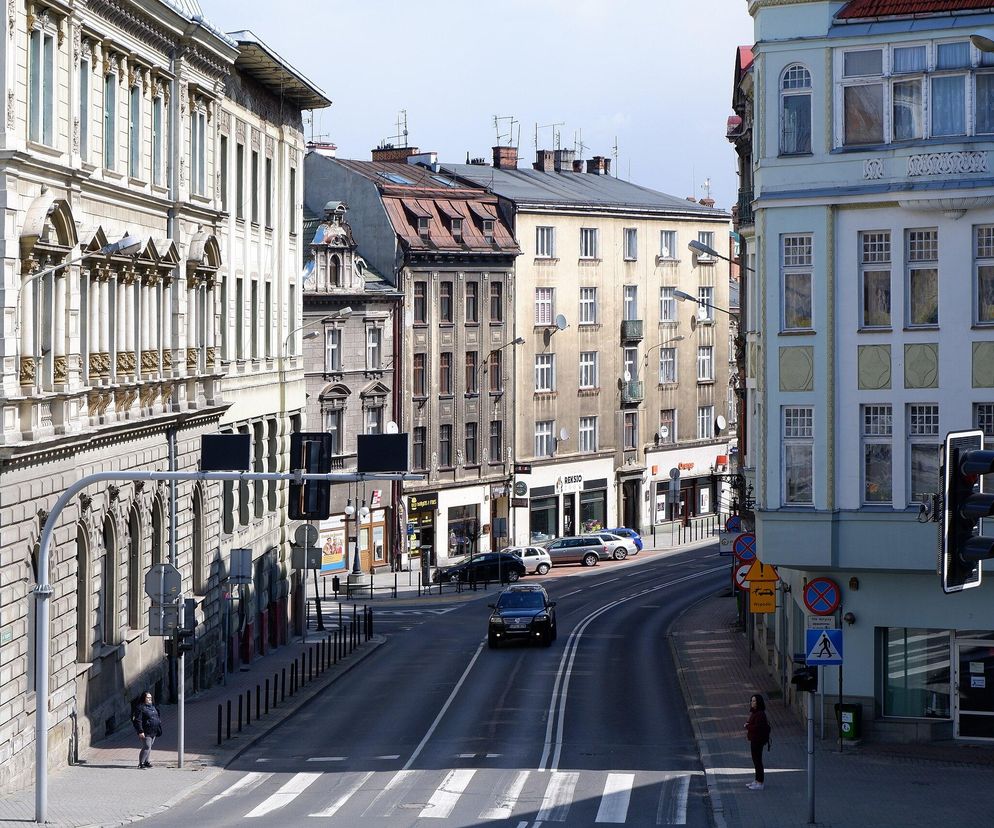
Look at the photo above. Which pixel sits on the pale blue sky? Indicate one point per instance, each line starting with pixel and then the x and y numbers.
pixel 656 74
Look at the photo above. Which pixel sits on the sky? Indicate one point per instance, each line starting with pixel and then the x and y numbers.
pixel 652 76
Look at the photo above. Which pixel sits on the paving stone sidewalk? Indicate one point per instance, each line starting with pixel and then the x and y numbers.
pixel 865 785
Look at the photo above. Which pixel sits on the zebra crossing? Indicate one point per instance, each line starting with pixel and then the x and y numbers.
pixel 489 795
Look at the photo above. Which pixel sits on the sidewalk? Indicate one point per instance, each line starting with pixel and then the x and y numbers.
pixel 869 784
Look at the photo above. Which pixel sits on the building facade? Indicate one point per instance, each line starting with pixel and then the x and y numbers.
pixel 873 126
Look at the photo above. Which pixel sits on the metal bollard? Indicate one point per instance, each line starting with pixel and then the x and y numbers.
pixel 228 730
pixel 267 697
pixel 219 724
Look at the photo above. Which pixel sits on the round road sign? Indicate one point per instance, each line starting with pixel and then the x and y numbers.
pixel 740 576
pixel 733 523
pixel 822 596
pixel 744 547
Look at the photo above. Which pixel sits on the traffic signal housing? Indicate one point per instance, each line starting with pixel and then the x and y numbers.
pixel 965 504
pixel 806 679
pixel 310 452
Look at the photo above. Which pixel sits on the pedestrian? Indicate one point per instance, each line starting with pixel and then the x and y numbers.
pixel 758 733
pixel 148 726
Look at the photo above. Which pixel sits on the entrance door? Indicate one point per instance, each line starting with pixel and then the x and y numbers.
pixel 975 689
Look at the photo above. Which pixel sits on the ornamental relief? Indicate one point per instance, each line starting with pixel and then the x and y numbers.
pixel 947 163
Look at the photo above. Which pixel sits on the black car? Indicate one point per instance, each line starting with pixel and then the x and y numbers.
pixel 490 566
pixel 522 613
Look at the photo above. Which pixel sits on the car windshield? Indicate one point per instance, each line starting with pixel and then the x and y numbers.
pixel 521 600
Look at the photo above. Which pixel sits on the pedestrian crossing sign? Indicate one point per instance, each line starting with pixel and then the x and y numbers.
pixel 823 647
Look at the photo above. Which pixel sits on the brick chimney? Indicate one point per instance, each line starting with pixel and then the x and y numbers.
pixel 599 165
pixel 564 160
pixel 543 161
pixel 391 153
pixel 505 158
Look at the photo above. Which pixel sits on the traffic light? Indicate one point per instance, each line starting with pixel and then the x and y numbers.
pixel 806 679
pixel 964 505
pixel 310 452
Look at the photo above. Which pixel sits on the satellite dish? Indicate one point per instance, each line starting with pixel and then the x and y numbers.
pixel 628 376
pixel 563 434
pixel 561 322
pixel 720 423
pixel 664 432
pixel 391 427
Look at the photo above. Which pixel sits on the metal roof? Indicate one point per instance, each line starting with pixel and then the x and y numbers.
pixel 528 187
pixel 257 59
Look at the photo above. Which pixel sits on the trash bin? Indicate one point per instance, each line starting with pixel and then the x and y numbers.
pixel 850 719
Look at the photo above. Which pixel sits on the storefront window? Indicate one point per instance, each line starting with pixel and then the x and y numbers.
pixel 543 519
pixel 464 528
pixel 916 678
pixel 593 510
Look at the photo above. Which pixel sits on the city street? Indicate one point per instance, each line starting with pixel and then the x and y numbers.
pixel 437 726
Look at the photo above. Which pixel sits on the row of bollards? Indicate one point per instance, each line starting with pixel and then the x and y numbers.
pixel 311 663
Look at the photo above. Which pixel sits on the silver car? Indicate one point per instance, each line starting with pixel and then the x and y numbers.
pixel 618 548
pixel 534 558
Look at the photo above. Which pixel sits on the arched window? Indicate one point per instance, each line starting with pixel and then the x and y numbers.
pixel 135 568
pixel 199 570
pixel 109 585
pixel 795 111
pixel 84 620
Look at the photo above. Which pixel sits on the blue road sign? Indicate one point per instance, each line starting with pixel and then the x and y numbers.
pixel 824 647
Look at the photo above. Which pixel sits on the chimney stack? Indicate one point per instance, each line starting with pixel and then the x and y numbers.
pixel 564 160
pixel 505 158
pixel 392 153
pixel 599 165
pixel 543 161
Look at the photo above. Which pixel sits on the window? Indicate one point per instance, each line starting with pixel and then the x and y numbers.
pixel 420 459
pixel 84 109
pixel 545 379
pixel 198 157
pixel 588 306
pixel 420 385
pixel 667 244
pixel 445 373
pixel 984 269
pixel 445 446
pixel 255 187
pixel 588 434
pixel 983 418
pixel 470 442
pixel 239 182
pixel 135 132
pixel 374 420
pixel 471 373
pixel 875 279
pixel 420 303
pixel 925 450
pixel 705 363
pixel 630 303
pixel 667 304
pixel 494 365
pixel 667 426
pixel 705 304
pixel 667 366
pixel 631 435
pixel 496 441
pixel 332 350
pixel 795 111
pixel 877 429
pixel 544 444
pixel 545 242
pixel 705 422
pixel 588 369
pixel 496 301
pixel 922 254
pixel 445 313
pixel 223 169
pixel 110 119
pixel 588 243
pixel 797 473
pixel 292 193
pixel 544 305
pixel 41 87
pixel 269 192
pixel 796 280
pixel 374 348
pixel 472 301
pixel 631 244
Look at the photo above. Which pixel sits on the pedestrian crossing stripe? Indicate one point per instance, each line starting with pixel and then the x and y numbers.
pixel 824 647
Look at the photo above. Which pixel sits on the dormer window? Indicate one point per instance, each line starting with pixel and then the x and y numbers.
pixel 488 229
pixel 457 229
pixel 423 226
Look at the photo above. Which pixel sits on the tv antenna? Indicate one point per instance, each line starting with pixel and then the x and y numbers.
pixel 555 133
pixel 512 123
pixel 400 139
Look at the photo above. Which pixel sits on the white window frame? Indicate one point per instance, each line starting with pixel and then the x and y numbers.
pixel 587 434
pixel 877 435
pixel 545 242
pixel 332 350
pixel 667 304
pixel 705 422
pixel 795 82
pixel 42 73
pixel 588 306
pixel 589 243
pixel 668 245
pixel 705 363
pixel 589 369
pixel 796 268
pixel 545 306
pixel 797 456
pixel 544 443
pixel 875 259
pixel 545 373
pixel 921 253
pixel 922 422
pixel 631 242
pixel 667 366
pixel 983 274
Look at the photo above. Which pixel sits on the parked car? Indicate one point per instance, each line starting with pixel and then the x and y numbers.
pixel 490 566
pixel 631 534
pixel 618 547
pixel 534 558
pixel 585 549
pixel 522 613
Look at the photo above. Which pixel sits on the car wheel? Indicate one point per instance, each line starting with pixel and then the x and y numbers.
pixel 620 554
pixel 513 576
pixel 542 569
pixel 590 559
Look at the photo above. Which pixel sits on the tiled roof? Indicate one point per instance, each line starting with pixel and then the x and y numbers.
pixel 864 9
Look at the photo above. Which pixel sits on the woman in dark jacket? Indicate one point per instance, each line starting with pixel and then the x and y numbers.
pixel 148 726
pixel 758 733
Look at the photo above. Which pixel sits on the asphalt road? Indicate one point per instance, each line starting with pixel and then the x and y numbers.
pixel 437 729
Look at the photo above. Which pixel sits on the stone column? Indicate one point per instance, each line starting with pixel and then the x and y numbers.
pixel 28 367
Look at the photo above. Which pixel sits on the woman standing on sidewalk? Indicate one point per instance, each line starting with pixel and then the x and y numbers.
pixel 758 733
pixel 148 726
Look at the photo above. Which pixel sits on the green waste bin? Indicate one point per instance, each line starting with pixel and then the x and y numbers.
pixel 850 719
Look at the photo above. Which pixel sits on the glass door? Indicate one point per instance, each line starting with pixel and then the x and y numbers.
pixel 975 689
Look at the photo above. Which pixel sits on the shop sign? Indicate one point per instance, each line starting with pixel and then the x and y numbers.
pixel 422 503
pixel 569 483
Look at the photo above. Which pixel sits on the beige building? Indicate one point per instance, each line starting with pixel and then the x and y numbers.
pixel 618 382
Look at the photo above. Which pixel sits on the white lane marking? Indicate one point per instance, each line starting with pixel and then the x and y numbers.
pixel 245 784
pixel 505 801
pixel 448 701
pixel 447 794
pixel 327 759
pixel 395 782
pixel 332 809
pixel 285 795
pixel 616 798
pixel 558 797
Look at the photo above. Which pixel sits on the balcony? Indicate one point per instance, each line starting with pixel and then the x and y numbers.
pixel 745 206
pixel 631 330
pixel 632 392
